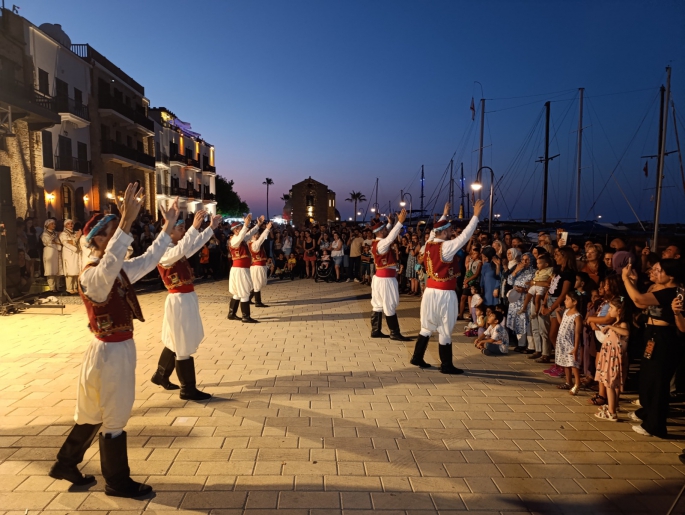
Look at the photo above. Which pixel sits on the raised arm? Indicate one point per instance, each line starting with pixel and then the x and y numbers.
pixel 181 249
pixel 97 281
pixel 445 214
pixel 252 231
pixel 257 244
pixel 450 247
pixel 386 242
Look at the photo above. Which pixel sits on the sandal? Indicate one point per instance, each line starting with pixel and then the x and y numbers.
pixel 574 391
pixel 598 400
pixel 604 414
pixel 564 386
pixel 543 359
pixel 535 356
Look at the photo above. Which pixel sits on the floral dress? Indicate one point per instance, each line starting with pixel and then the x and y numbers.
pixel 410 272
pixel 566 341
pixel 519 323
pixel 612 363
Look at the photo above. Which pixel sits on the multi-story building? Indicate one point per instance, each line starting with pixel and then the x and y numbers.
pixel 185 166
pixel 312 201
pixel 121 133
pixel 67 178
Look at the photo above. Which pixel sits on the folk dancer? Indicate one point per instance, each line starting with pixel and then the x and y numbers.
pixel 106 390
pixel 258 265
pixel 239 280
pixel 385 294
pixel 71 256
pixel 439 304
pixel 182 329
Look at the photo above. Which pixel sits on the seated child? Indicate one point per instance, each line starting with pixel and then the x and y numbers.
pixel 279 265
pixel 270 268
pixel 325 259
pixel 494 341
pixel 540 284
pixel 292 262
pixel 367 258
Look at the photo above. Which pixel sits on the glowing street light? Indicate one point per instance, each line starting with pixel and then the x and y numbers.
pixel 478 185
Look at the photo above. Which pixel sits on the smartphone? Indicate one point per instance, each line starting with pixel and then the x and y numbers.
pixel 564 238
pixel 680 293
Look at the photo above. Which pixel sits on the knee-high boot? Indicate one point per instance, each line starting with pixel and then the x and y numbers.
pixel 245 310
pixel 71 454
pixel 394 326
pixel 185 370
pixel 420 351
pixel 377 325
pixel 117 474
pixel 446 365
pixel 165 366
pixel 258 300
pixel 232 309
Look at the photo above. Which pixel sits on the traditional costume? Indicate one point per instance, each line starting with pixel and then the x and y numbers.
pixel 240 280
pixel 106 389
pixel 52 255
pixel 385 294
pixel 84 250
pixel 258 267
pixel 71 257
pixel 439 304
pixel 182 329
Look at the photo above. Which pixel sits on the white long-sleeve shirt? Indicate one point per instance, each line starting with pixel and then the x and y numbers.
pixel 450 247
pixel 243 235
pixel 257 244
pixel 385 243
pixel 192 241
pixel 97 281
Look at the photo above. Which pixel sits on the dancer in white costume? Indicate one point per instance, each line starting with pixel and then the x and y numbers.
pixel 71 256
pixel 439 304
pixel 258 265
pixel 182 329
pixel 239 280
pixel 107 382
pixel 385 294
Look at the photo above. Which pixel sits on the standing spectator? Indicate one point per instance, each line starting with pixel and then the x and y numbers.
pixel 567 353
pixel 287 244
pixel 594 267
pixel 52 266
pixel 519 322
pixel 356 243
pixel 413 251
pixel 337 254
pixel 472 275
pixel 309 255
pixel 490 276
pixel 71 258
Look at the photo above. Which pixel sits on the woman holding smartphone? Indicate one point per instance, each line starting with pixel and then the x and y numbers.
pixel 663 345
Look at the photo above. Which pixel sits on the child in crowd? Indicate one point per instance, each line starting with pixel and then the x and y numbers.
pixel 566 354
pixel 476 300
pixel 280 265
pixel 540 284
pixel 494 341
pixel 366 264
pixel 204 261
pixel 292 263
pixel 612 365
pixel 589 347
pixel 481 317
pixel 270 268
pixel 325 259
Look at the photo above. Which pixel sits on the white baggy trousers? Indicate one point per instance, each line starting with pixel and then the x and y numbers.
pixel 258 276
pixel 240 284
pixel 385 295
pixel 439 310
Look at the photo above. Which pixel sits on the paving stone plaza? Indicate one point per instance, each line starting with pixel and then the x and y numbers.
pixel 311 416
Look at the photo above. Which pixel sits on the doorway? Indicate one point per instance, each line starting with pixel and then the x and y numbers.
pixel 67 203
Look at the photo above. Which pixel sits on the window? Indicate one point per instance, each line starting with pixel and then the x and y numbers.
pixel 64 150
pixel 61 89
pixel 129 141
pixel 82 151
pixel 43 82
pixel 104 133
pixel 110 182
pixel 103 87
pixel 117 137
pixel 140 146
pixel 118 95
pixel 189 153
pixel 78 97
pixel 173 148
pixel 47 149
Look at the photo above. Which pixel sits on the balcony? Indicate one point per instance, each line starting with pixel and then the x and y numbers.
pixel 162 158
pixel 126 156
pixel 72 168
pixel 178 192
pixel 207 168
pixel 88 53
pixel 186 161
pixel 163 190
pixel 74 112
pixel 135 117
pixel 208 197
pixel 37 109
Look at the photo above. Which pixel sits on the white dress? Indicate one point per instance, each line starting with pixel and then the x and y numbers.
pixel 182 329
pixel 565 342
pixel 71 258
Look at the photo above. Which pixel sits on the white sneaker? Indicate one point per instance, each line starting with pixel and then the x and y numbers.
pixel 641 431
pixel 357 280
pixel 348 280
pixel 634 417
pixel 636 402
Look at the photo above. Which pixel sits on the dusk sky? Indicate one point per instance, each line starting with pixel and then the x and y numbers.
pixel 347 91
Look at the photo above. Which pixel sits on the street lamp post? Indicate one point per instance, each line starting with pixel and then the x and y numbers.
pixel 478 185
pixel 403 203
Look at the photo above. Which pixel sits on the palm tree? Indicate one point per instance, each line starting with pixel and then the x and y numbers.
pixel 268 182
pixel 356 196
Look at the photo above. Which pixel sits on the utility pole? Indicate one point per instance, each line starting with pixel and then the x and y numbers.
pixel 663 126
pixel 580 149
pixel 545 160
pixel 451 187
pixel 422 178
pixel 480 146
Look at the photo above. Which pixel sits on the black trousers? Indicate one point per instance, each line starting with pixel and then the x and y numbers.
pixel 355 267
pixel 655 377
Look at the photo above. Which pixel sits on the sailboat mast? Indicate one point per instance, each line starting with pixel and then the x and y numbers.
pixel 662 154
pixel 580 151
pixel 422 177
pixel 462 193
pixel 546 164
pixel 480 145
pixel 451 187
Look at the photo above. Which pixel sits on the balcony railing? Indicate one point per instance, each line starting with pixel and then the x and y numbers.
pixel 69 105
pixel 87 52
pixel 106 101
pixel 72 164
pixel 26 92
pixel 179 192
pixel 208 168
pixel 189 161
pixel 112 147
pixel 162 158
pixel 162 189
pixel 209 196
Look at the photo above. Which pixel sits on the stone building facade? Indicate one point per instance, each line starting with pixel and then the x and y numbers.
pixel 311 201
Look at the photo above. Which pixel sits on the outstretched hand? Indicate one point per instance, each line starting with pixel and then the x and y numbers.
pixel 199 218
pixel 402 216
pixel 170 215
pixel 216 220
pixel 130 206
pixel 478 207
pixel 446 211
pixel 248 219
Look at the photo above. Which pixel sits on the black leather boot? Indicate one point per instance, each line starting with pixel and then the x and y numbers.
pixel 394 326
pixel 245 310
pixel 114 464
pixel 420 351
pixel 446 365
pixel 165 366
pixel 377 325
pixel 232 309
pixel 251 297
pixel 71 454
pixel 258 299
pixel 185 370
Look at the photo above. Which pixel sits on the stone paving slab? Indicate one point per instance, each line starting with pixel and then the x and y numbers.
pixel 311 416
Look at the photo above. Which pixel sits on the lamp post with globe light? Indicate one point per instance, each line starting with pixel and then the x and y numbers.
pixel 478 185
pixel 403 203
